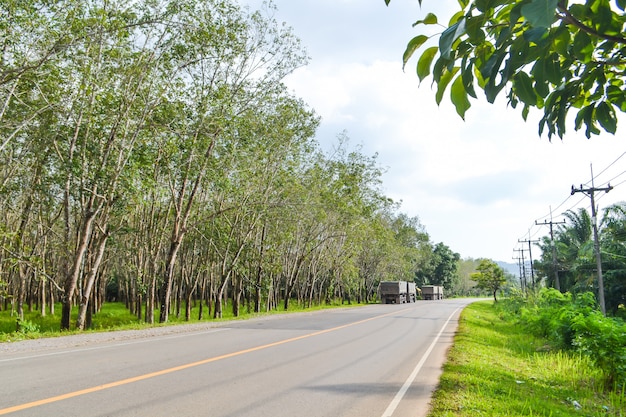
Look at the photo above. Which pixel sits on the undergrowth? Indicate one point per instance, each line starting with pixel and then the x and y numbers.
pixel 498 366
pixel 574 324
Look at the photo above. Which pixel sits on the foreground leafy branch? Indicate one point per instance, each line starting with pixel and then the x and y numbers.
pixel 551 55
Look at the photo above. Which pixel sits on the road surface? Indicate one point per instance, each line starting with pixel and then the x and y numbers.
pixel 378 360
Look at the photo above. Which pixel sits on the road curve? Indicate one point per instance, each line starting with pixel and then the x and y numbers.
pixel 378 360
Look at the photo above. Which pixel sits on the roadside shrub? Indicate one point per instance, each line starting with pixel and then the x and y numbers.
pixel 26 327
pixel 547 317
pixel 575 323
pixel 513 304
pixel 603 339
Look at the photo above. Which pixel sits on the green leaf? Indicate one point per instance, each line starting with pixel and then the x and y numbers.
pixel 492 66
pixel 582 116
pixel 562 40
pixel 525 112
pixel 582 47
pixel 523 87
pixel 439 67
pixel 535 35
pixel 492 90
pixel 473 28
pixel 616 97
pixel 540 13
pixel 621 4
pixel 458 95
pixel 503 37
pixel 585 115
pixel 515 14
pixel 467 72
pixel 449 36
pixel 479 78
pixel 445 79
pixel 413 44
pixel 562 107
pixel 425 61
pixel 606 117
pixel 456 17
pixel 552 70
pixel 539 75
pixel 484 5
pixel 430 19
pixel 518 56
pixel 603 16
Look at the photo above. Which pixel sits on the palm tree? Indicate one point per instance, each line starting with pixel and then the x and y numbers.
pixel 575 251
pixel 613 249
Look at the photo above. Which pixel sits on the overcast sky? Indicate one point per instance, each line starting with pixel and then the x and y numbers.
pixel 479 185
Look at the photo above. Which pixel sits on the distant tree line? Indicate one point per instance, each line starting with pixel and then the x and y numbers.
pixel 151 154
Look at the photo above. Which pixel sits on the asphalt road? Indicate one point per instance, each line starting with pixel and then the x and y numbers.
pixel 379 360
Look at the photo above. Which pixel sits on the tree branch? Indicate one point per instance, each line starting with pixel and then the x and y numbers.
pixel 567 17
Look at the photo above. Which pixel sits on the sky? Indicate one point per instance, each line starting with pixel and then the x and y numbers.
pixel 483 185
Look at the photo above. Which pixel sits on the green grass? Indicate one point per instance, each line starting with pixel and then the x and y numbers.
pixel 496 368
pixel 115 316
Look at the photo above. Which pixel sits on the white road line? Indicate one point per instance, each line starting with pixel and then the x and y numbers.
pixel 396 400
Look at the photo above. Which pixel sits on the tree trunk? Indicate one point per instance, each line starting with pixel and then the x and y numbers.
pixel 151 300
pixel 201 297
pixel 42 296
pixel 188 305
pixel 52 299
pixel 237 291
pixel 89 282
pixel 74 273
pixel 166 288
pixel 217 312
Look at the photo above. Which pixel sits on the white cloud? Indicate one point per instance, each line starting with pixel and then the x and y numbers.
pixel 479 185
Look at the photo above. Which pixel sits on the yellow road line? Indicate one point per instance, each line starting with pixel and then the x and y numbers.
pixel 114 384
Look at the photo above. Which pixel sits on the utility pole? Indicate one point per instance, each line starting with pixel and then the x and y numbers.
pixel 596 243
pixel 530 255
pixel 523 277
pixel 519 265
pixel 557 283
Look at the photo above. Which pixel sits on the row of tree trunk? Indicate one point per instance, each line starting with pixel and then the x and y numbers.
pixel 153 146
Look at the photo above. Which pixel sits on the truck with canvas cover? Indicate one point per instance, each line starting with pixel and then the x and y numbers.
pixel 397 292
pixel 432 292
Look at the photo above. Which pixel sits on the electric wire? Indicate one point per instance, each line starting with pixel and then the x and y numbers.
pixel 576 204
pixel 610 165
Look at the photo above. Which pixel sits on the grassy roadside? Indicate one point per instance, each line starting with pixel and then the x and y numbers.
pixel 115 316
pixel 496 368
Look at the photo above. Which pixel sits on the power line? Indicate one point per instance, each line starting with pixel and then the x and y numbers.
pixel 577 203
pixel 615 177
pixel 611 164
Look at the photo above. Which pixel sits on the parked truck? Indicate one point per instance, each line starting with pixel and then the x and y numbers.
pixel 432 292
pixel 397 292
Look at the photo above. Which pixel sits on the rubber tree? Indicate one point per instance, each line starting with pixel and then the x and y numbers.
pixel 229 62
pixel 112 88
